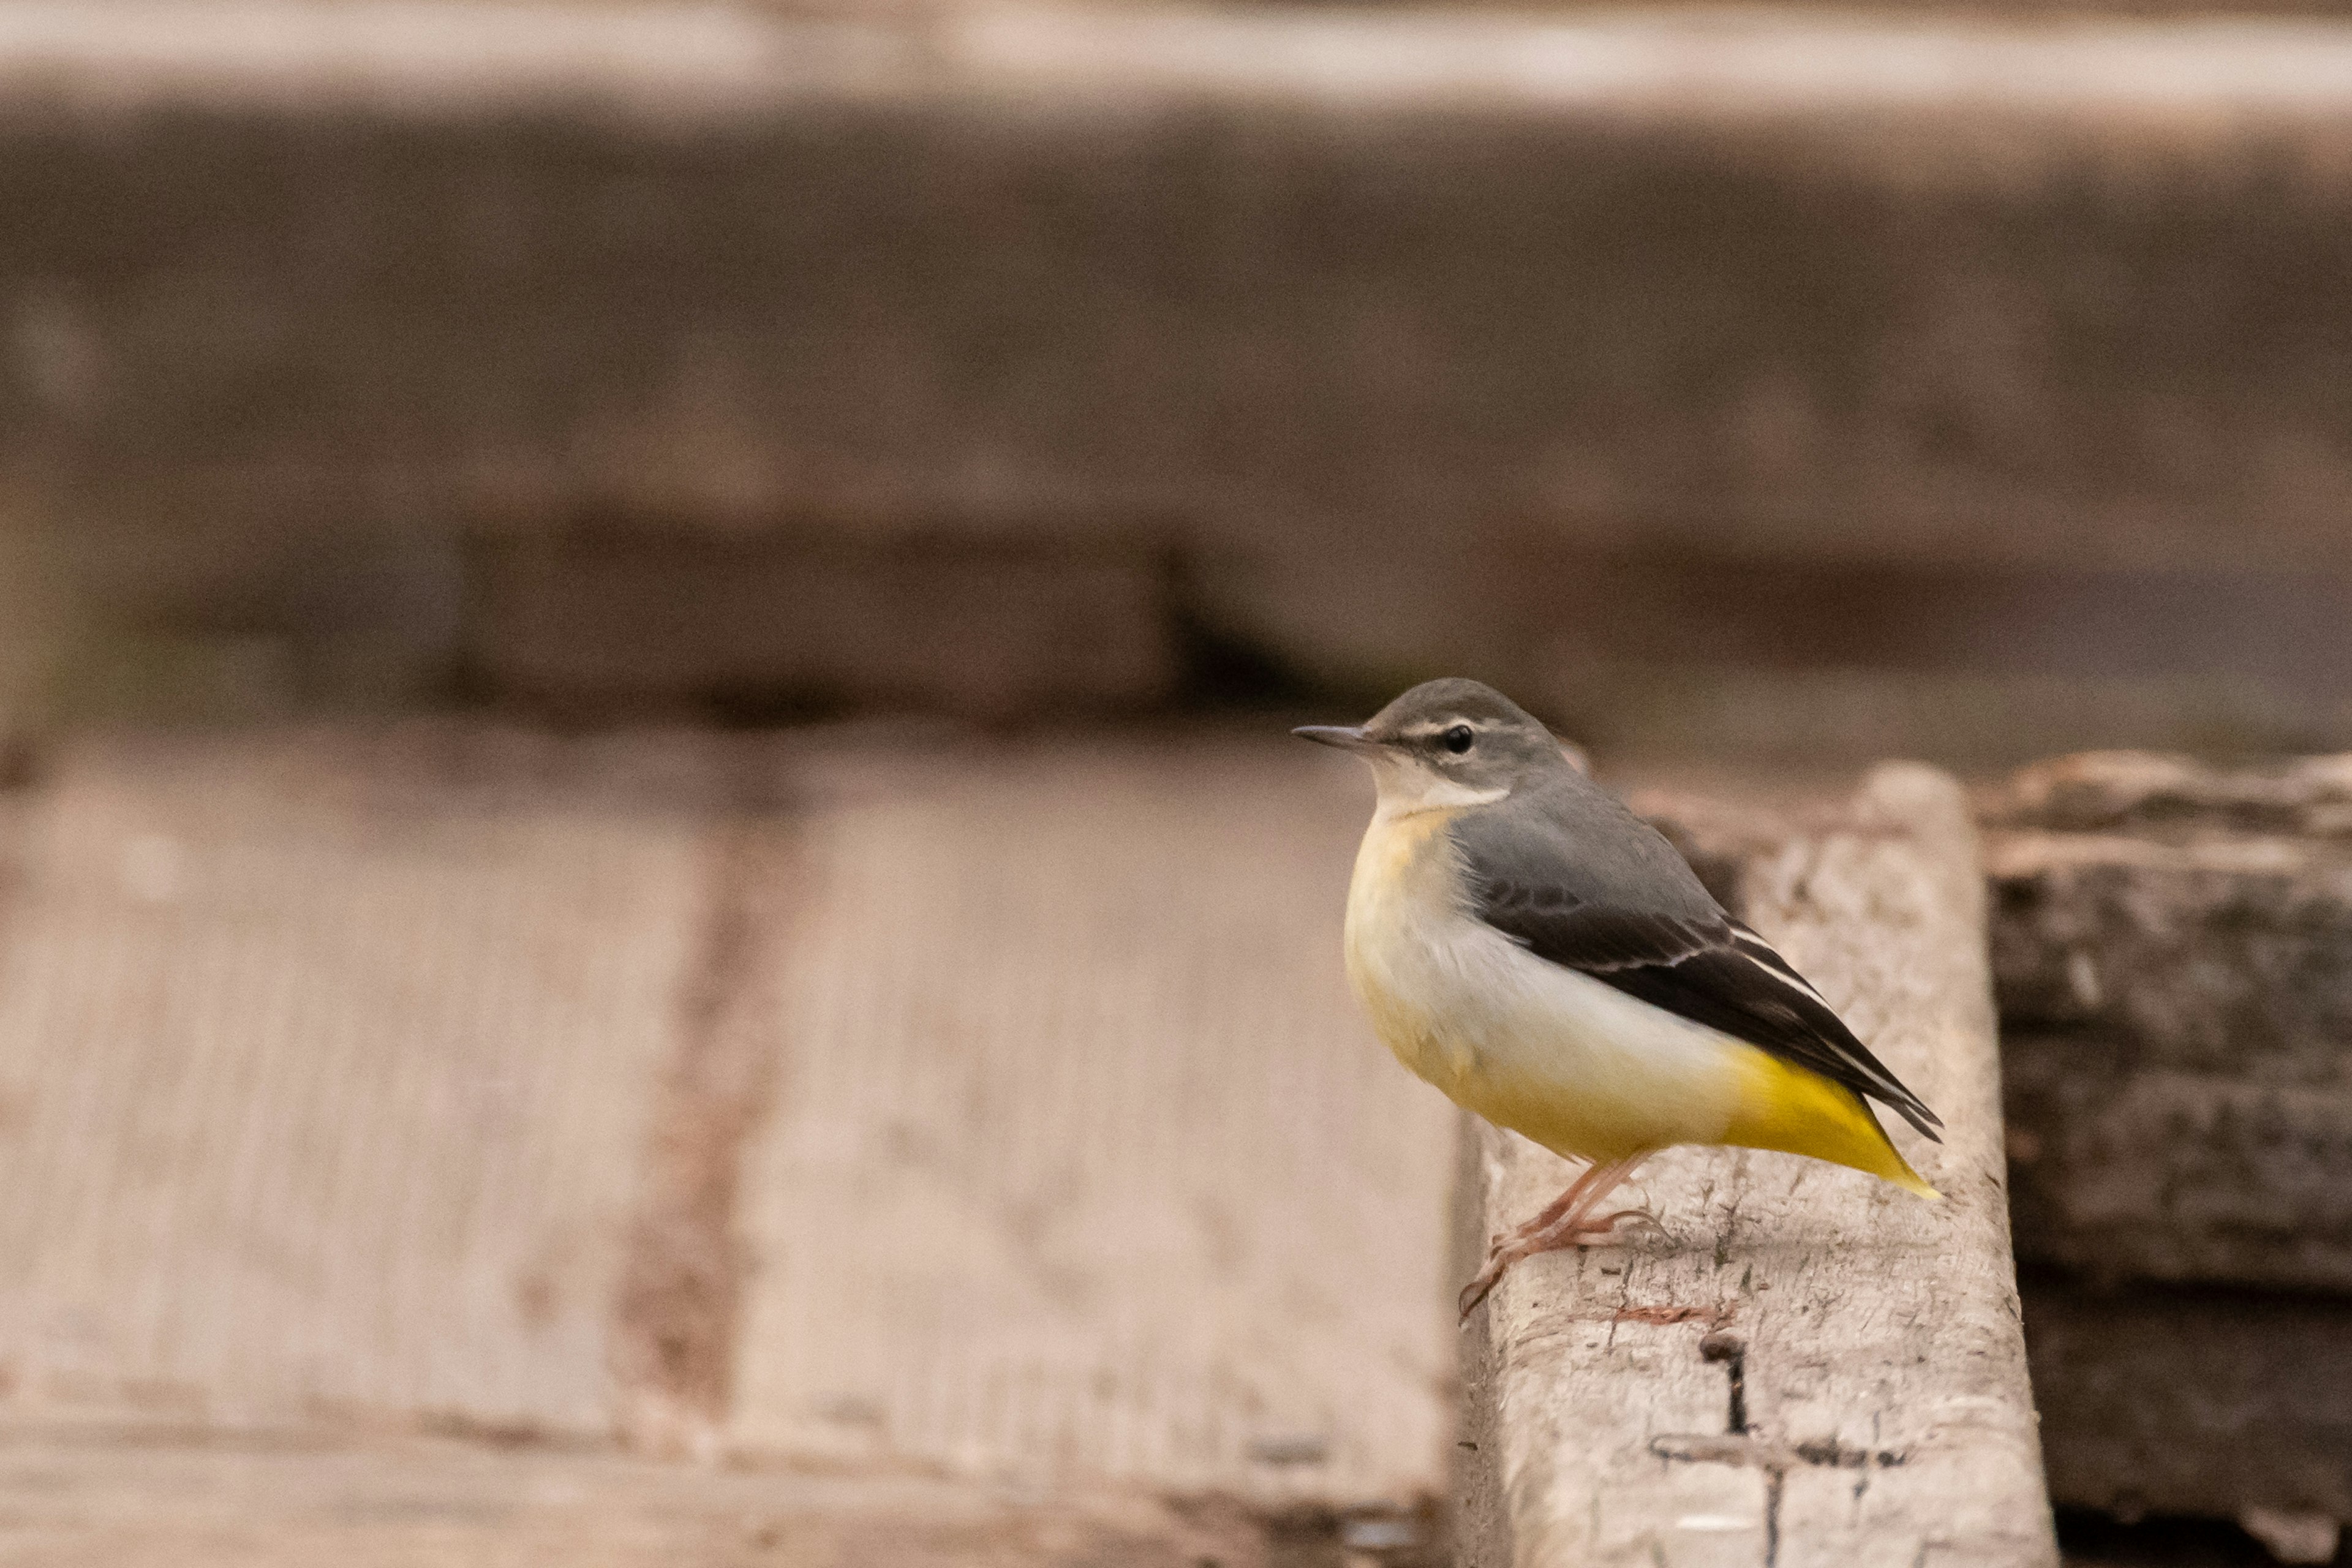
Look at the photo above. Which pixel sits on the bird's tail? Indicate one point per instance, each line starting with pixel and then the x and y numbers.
pixel 1800 1113
pixel 1894 1168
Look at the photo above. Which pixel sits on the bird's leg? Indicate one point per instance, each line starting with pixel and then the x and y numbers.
pixel 1565 1221
pixel 1552 1210
pixel 1568 1211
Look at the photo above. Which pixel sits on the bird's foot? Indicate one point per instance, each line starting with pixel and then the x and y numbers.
pixel 1640 1217
pixel 1538 1237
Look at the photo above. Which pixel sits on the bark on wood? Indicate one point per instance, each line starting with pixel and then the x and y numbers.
pixel 2172 953
pixel 2160 795
pixel 1809 1366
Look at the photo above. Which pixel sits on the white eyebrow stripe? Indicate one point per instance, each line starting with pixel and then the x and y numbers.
pixel 1439 726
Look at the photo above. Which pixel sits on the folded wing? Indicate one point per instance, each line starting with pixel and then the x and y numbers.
pixel 1703 966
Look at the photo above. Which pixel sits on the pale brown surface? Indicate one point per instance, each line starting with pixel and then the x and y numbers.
pixel 1882 1413
pixel 99 1497
pixel 325 1064
pixel 894 1102
pixel 1084 1162
pixel 2171 798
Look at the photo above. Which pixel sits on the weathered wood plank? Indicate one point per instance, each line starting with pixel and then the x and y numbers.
pixel 134 1497
pixel 325 1068
pixel 405 1078
pixel 2172 956
pixel 1899 364
pixel 2146 1173
pixel 1808 1366
pixel 2173 1399
pixel 1083 1162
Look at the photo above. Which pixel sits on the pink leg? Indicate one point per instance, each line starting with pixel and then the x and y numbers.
pixel 1565 1221
pixel 1560 1206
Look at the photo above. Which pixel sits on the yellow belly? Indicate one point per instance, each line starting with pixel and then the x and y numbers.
pixel 1560 1058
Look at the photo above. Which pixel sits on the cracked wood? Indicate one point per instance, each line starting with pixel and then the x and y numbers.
pixel 1806 1367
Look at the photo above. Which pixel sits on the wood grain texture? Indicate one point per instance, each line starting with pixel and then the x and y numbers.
pixel 1084 1163
pixel 2192 1400
pixel 2150 1174
pixel 2172 958
pixel 904 1103
pixel 325 1062
pixel 1805 1366
pixel 132 1496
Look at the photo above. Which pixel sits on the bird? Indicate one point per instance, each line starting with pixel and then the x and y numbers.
pixel 1523 942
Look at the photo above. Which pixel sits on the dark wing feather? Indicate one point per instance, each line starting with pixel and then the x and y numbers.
pixel 1703 966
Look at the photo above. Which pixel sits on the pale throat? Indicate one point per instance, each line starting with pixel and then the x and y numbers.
pixel 1409 787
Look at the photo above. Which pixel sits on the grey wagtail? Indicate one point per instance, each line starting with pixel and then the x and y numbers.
pixel 1546 958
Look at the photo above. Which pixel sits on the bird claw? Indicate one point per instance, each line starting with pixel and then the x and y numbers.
pixel 1561 1224
pixel 1504 1252
pixel 1638 1217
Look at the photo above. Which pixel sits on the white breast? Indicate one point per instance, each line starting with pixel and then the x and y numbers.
pixel 1572 1063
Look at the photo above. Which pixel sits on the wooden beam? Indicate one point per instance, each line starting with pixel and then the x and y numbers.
pixel 2172 956
pixel 2192 1399
pixel 1806 1366
pixel 1327 287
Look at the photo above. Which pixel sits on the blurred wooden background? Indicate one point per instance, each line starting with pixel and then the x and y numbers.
pixel 597 601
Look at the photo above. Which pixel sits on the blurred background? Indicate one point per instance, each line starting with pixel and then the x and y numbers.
pixel 642 831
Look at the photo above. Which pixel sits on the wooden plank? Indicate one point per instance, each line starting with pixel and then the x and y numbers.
pixel 1084 1163
pixel 399 1078
pixel 143 1497
pixel 2192 1400
pixel 2172 957
pixel 2171 941
pixel 2126 1172
pixel 1898 364
pixel 325 1069
pixel 1807 1367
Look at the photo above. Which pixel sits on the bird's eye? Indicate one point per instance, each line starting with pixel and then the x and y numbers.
pixel 1458 739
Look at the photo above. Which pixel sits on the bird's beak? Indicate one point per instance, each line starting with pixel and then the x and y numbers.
pixel 1347 737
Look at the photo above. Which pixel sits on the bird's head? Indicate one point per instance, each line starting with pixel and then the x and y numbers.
pixel 1450 742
